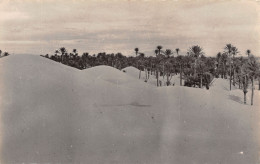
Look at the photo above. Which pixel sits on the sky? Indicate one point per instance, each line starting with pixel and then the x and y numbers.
pixel 42 26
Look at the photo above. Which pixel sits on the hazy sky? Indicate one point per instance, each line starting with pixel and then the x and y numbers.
pixel 41 26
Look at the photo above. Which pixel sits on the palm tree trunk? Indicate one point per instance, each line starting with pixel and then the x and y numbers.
pixel 222 72
pixel 163 72
pixel 201 81
pixel 244 97
pixel 157 77
pixel 234 77
pixel 140 74
pixel 195 67
pixel 258 83
pixel 233 71
pixel 225 71
pixel 230 77
pixel 151 72
pixel 167 80
pixel 146 74
pixel 252 94
pixel 180 75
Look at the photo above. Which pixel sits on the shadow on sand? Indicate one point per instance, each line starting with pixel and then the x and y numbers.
pixel 236 99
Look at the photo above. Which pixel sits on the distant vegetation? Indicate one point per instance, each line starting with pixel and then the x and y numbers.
pixel 2 54
pixel 194 68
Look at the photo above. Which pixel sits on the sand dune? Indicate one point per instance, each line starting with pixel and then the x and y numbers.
pixel 51 113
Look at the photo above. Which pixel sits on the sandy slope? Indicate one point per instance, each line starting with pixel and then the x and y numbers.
pixel 52 113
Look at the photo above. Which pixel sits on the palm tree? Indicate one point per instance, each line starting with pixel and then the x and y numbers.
pixel 167 53
pixel 136 51
pixel 56 52
pixel 180 62
pixel 237 67
pixel 218 62
pixel 146 65
pixel 248 52
pixel 244 80
pixel 84 59
pixel 234 52
pixel 159 49
pixel 259 78
pixel 181 65
pixel 177 51
pixel 158 52
pixel 141 63
pixel 63 51
pixel 253 72
pixel 196 52
pixel 224 60
pixel 74 51
pixel 228 48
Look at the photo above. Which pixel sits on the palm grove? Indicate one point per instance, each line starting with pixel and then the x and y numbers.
pixel 194 68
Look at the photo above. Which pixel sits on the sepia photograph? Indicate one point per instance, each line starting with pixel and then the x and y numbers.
pixel 130 81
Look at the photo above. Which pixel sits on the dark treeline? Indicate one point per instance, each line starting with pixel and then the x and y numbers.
pixel 194 67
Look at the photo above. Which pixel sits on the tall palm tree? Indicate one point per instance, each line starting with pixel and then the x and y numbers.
pixel 168 53
pixel 234 53
pixel 228 49
pixel 253 72
pixel 141 63
pixel 158 50
pixel 180 63
pixel 218 62
pixel 75 52
pixel 136 51
pixel 63 51
pixel 196 52
pixel 259 81
pixel 238 67
pixel 85 59
pixel 177 51
pixel 244 80
pixel 56 58
pixel 248 52
pixel 56 52
pixel 201 70
pixel 224 60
